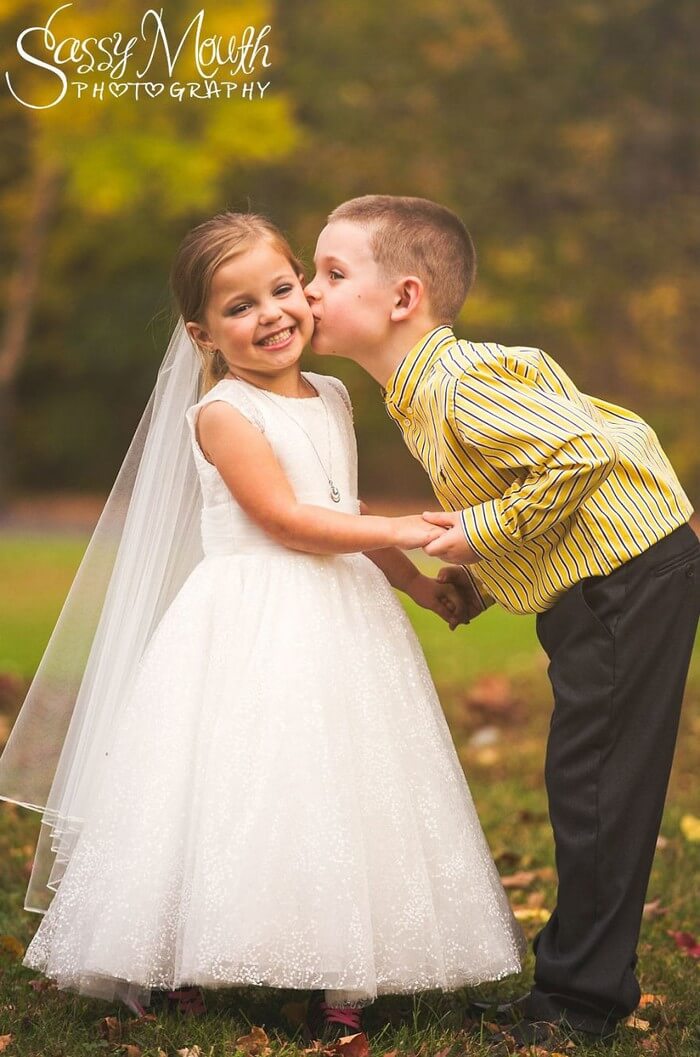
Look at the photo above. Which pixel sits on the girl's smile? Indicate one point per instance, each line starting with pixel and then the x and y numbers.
pixel 258 317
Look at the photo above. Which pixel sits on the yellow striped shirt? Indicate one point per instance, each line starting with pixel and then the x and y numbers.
pixel 552 485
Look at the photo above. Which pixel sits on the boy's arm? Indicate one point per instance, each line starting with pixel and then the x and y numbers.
pixel 557 450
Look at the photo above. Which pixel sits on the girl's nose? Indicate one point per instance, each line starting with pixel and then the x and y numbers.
pixel 269 313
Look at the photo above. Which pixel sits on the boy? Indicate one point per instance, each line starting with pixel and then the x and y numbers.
pixel 557 504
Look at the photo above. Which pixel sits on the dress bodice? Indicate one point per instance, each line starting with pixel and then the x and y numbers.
pixel 313 439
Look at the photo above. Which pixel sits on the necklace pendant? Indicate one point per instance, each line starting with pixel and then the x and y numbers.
pixel 335 494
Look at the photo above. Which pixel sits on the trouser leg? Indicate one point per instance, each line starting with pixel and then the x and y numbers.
pixel 619 649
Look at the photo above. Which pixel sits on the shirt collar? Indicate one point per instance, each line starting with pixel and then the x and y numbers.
pixel 403 383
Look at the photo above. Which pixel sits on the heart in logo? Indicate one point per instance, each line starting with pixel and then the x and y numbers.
pixel 153 89
pixel 117 89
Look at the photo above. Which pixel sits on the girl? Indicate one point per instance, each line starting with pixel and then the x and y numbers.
pixel 274 798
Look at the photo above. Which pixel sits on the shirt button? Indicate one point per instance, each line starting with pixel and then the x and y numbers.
pixel 689 572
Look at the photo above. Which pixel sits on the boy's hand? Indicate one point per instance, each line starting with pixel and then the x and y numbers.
pixel 453 546
pixel 470 600
pixel 443 597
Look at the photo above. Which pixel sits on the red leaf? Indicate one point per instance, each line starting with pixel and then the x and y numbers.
pixel 687 943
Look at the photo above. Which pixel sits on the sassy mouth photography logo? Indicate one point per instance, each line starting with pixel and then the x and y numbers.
pixel 118 66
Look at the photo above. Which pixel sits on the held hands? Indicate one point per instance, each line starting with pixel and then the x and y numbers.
pixel 452 546
pixel 444 596
pixel 413 531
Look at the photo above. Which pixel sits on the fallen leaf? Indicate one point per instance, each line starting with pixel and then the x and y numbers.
pixel 651 1000
pixel 390 1053
pixel 653 910
pixel 687 943
pixel 535 899
pixel 637 1023
pixel 190 1051
pixel 255 1042
pixel 162 1053
pixel 531 914
pixel 353 1045
pixel 133 1051
pixel 522 879
pixel 12 945
pixel 110 1029
pixel 5 1041
pixel 492 698
pixel 690 828
pixel 487 757
pixel 41 983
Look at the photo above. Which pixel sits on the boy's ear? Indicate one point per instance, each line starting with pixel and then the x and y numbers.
pixel 408 296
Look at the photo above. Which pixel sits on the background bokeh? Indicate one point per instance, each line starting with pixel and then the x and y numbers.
pixel 565 135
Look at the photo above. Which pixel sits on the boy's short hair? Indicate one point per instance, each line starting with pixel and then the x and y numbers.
pixel 414 236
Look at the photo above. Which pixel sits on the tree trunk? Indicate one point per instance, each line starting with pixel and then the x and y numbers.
pixel 21 298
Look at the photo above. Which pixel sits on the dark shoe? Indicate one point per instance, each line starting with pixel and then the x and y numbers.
pixel 548 1037
pixel 500 1012
pixel 325 1022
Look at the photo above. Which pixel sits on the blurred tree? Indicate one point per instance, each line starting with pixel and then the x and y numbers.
pixel 565 135
pixel 114 155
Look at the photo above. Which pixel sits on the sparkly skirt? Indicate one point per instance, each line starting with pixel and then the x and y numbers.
pixel 281 804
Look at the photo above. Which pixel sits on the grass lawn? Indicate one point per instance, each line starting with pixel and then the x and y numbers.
pixel 493 685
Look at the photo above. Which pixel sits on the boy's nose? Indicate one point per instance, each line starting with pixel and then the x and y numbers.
pixel 310 292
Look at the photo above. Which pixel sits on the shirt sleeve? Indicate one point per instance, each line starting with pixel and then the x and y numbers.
pixel 480 587
pixel 556 450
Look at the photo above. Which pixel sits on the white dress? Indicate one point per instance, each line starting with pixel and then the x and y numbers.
pixel 282 804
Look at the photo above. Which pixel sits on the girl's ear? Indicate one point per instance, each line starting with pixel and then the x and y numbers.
pixel 408 295
pixel 198 334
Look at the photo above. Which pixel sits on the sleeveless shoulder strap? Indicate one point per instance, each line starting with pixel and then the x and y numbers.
pixel 231 393
pixel 334 384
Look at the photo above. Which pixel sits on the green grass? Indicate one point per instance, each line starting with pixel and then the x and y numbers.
pixel 507 783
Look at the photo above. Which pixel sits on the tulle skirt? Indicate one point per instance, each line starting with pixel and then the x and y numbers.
pixel 281 804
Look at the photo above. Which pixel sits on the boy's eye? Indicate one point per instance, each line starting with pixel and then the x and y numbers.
pixel 335 274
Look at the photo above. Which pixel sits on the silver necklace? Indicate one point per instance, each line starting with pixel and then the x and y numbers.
pixel 335 493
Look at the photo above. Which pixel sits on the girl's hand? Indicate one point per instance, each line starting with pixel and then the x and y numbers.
pixel 411 532
pixel 453 547
pixel 443 598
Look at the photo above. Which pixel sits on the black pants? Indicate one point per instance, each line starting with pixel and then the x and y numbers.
pixel 619 649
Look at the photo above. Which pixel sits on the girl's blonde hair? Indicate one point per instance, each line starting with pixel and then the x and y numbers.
pixel 204 249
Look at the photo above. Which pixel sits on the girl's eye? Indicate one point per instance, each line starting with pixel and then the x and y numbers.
pixel 284 289
pixel 237 309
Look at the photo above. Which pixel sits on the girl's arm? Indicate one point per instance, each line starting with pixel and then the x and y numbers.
pixel 440 595
pixel 253 475
pixel 396 566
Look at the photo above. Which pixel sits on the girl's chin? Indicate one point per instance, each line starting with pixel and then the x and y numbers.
pixel 319 347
